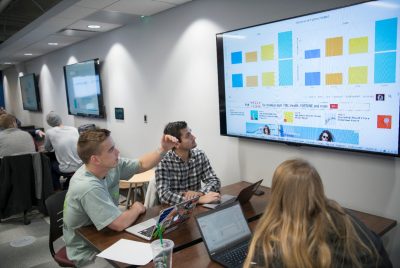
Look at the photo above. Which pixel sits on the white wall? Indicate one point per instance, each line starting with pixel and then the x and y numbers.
pixel 166 68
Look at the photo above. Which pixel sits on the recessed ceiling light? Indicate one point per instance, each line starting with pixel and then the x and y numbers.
pixel 28 54
pixel 52 44
pixel 7 63
pixel 94 26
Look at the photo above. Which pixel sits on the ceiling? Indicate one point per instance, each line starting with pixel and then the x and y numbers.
pixel 38 27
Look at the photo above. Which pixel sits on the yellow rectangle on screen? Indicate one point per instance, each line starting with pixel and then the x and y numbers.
pixel 268 79
pixel 334 79
pixel 251 56
pixel 334 46
pixel 358 75
pixel 267 52
pixel 358 45
pixel 252 81
pixel 288 117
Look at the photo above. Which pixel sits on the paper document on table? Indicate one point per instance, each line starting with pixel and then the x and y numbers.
pixel 128 251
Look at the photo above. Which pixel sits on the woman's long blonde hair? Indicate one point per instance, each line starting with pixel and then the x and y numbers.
pixel 301 227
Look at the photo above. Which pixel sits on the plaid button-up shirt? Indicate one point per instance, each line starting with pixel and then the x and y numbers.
pixel 175 176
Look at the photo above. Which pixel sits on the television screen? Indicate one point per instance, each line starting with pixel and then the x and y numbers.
pixel 329 79
pixel 30 93
pixel 84 91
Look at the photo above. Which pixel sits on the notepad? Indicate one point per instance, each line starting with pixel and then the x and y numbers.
pixel 128 251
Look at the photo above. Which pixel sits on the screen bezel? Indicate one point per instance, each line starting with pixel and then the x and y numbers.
pixel 222 97
pixel 96 64
pixel 31 76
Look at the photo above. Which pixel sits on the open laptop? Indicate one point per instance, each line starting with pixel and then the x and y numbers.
pixel 168 219
pixel 226 234
pixel 243 197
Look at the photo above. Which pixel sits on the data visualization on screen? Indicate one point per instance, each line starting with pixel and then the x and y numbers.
pixel 335 71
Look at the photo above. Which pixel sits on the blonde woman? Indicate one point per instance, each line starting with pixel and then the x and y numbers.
pixel 302 228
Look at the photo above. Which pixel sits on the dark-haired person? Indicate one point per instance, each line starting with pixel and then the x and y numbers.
pixel 325 135
pixel 12 139
pixel 63 141
pixel 182 170
pixel 266 130
pixel 93 193
pixel 301 227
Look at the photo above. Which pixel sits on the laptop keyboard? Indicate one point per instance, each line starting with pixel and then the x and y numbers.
pixel 235 256
pixel 148 232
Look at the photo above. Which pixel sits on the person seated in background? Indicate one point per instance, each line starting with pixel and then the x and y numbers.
pixel 33 132
pixel 182 170
pixel 12 139
pixel 325 135
pixel 63 141
pixel 93 193
pixel 301 227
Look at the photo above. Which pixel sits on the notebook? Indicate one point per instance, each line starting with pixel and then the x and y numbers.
pixel 168 219
pixel 243 197
pixel 226 234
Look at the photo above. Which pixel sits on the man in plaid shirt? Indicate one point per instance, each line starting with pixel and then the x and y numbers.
pixel 182 169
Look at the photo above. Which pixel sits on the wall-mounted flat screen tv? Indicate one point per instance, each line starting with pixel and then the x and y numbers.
pixel 83 87
pixel 30 93
pixel 329 79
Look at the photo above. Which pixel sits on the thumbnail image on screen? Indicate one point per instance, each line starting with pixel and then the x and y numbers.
pixel 83 86
pixel 329 79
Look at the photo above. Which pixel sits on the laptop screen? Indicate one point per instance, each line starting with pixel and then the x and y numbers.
pixel 223 227
pixel 180 213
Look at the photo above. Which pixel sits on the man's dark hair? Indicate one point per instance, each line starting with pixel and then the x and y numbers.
pixel 174 129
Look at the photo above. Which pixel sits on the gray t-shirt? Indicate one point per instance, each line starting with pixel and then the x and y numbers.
pixel 15 141
pixel 64 142
pixel 92 201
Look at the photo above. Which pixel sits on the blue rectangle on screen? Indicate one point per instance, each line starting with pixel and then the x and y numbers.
pixel 237 80
pixel 286 72
pixel 385 67
pixel 385 35
pixel 312 53
pixel 236 57
pixel 285 45
pixel 313 79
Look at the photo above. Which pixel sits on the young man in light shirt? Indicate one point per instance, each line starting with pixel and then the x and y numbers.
pixel 93 192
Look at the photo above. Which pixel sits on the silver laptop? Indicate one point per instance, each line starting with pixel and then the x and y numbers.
pixel 226 234
pixel 168 219
pixel 243 197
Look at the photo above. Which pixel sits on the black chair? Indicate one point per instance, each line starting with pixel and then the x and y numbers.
pixel 17 186
pixel 55 206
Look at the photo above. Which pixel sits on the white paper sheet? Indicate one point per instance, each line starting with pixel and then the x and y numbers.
pixel 128 251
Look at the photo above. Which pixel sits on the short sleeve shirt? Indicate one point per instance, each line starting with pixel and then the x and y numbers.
pixel 91 200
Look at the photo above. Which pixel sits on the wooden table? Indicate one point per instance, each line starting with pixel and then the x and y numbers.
pixel 101 240
pixel 189 247
pixel 196 255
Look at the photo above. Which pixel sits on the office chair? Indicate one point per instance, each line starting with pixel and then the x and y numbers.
pixel 55 206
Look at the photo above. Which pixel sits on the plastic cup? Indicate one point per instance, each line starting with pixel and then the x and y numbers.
pixel 162 254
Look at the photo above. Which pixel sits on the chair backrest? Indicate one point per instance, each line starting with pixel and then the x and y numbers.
pixel 55 206
pixel 151 194
pixel 17 185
